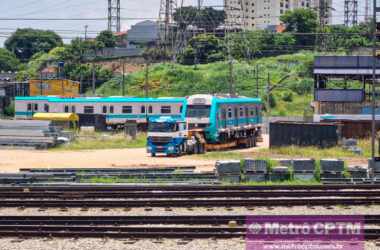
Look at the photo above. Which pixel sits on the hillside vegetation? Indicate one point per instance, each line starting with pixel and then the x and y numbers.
pixel 291 97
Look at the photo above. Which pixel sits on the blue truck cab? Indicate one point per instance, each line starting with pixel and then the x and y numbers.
pixel 166 135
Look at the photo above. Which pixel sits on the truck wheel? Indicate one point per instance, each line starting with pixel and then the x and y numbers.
pixel 196 148
pixel 153 154
pixel 254 141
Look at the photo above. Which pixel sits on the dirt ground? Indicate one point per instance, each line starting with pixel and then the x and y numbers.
pixel 14 159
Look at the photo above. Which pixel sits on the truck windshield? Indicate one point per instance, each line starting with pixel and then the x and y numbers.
pixel 200 111
pixel 161 127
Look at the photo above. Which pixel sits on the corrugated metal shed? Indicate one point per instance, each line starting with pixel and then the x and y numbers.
pixel 304 134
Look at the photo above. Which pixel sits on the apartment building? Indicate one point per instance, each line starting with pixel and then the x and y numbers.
pixel 262 14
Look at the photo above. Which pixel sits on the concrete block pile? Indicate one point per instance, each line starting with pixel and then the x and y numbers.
pixel 229 171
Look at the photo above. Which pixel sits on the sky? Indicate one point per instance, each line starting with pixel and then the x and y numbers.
pixel 131 9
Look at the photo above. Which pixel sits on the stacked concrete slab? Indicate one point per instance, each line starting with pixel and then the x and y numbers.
pixel 358 172
pixel 228 171
pixel 280 173
pixel 374 167
pixel 332 168
pixel 255 170
pixel 25 133
pixel 303 169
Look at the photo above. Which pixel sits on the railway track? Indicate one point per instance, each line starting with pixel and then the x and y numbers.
pixel 182 194
pixel 132 203
pixel 116 188
pixel 120 227
pixel 187 196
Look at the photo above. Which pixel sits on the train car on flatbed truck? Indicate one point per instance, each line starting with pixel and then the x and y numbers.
pixel 209 122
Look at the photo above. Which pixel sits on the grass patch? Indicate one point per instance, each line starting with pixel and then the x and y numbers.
pixel 279 183
pixel 317 153
pixel 216 155
pixel 104 141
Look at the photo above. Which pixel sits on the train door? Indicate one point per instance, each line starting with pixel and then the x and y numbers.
pixel 236 117
pixel 246 113
pixel 223 118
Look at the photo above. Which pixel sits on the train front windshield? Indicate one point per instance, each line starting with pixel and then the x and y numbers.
pixel 198 111
pixel 162 127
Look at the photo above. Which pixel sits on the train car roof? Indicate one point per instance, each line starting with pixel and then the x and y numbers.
pixel 238 100
pixel 99 99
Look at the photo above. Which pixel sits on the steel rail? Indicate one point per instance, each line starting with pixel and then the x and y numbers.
pixel 141 220
pixel 129 203
pixel 185 194
pixel 77 188
pixel 141 232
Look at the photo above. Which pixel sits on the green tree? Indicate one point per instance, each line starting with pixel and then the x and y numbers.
pixel 107 39
pixel 348 38
pixel 24 43
pixel 8 61
pixel 303 21
pixel 207 18
pixel 204 48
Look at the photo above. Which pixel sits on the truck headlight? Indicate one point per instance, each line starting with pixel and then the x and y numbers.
pixel 171 148
pixel 149 148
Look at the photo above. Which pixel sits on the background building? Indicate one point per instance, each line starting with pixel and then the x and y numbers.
pixel 263 14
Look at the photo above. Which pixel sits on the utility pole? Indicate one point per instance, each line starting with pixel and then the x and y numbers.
pixel 123 80
pixel 257 80
pixel 93 79
pixel 231 74
pixel 85 32
pixel 268 96
pixel 146 84
pixel 374 49
pixel 114 23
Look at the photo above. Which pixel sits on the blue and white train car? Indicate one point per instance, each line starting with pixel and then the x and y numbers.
pixel 224 118
pixel 117 110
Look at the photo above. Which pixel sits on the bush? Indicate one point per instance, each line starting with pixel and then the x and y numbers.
pixel 287 96
pixel 10 109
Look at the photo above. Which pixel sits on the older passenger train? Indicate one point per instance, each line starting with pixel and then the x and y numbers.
pixel 117 110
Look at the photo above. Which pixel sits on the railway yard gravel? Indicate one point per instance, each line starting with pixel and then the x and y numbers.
pixel 299 210
pixel 110 244
pixel 167 244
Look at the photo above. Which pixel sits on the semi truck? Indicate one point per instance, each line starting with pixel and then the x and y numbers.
pixel 207 123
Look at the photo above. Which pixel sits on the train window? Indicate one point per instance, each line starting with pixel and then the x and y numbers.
pixel 235 112
pixel 246 111
pixel 127 109
pixel 104 109
pixel 252 111
pixel 150 109
pixel 29 107
pixel 73 109
pixel 241 112
pixel 223 114
pixel 111 109
pixel 46 108
pixel 229 113
pixel 142 110
pixel 35 107
pixel 88 109
pixel 66 109
pixel 166 109
pixel 180 109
